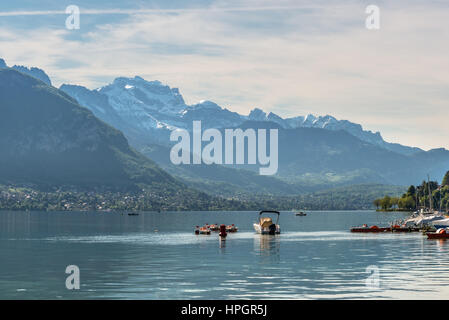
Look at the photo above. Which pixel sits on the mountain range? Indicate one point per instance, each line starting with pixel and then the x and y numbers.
pixel 143 107
pixel 315 152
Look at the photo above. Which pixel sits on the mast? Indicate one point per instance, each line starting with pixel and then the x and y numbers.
pixel 430 192
pixel 416 200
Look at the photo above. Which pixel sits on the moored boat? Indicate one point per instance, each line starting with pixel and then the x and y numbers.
pixel 442 223
pixel 202 230
pixel 423 221
pixel 372 229
pixel 232 228
pixel 403 228
pixel 441 233
pixel 214 227
pixel 300 214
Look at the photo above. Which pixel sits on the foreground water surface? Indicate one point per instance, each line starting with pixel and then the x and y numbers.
pixel 157 256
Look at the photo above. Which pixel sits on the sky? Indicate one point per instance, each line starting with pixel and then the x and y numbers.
pixel 283 56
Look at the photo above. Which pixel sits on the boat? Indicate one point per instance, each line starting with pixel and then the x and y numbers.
pixel 398 228
pixel 422 220
pixel 133 214
pixel 232 228
pixel 442 233
pixel 214 227
pixel 442 223
pixel 403 228
pixel 265 225
pixel 202 230
pixel 300 214
pixel 372 229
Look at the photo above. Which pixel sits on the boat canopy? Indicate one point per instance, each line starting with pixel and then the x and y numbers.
pixel 269 211
pixel 266 221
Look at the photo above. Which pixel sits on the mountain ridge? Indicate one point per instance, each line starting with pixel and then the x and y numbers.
pixel 171 111
pixel 147 111
pixel 154 117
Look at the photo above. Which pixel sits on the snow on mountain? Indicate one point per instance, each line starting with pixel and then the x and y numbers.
pixel 330 123
pixel 211 115
pixel 138 107
pixel 136 92
pixel 206 104
pixel 132 103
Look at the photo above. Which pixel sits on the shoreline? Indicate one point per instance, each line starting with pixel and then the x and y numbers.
pixel 170 211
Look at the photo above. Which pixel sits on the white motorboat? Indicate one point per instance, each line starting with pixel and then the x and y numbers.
pixel 423 220
pixel 265 225
pixel 442 223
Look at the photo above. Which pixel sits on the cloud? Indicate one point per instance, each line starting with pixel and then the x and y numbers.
pixel 311 58
pixel 256 8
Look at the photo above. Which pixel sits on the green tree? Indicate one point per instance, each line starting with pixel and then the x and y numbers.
pixel 385 203
pixel 445 179
pixel 411 190
pixel 407 203
pixel 394 202
pixel 377 203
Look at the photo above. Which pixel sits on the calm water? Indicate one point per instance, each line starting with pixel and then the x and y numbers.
pixel 157 256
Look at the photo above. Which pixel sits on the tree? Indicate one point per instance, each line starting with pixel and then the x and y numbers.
pixel 377 203
pixel 445 179
pixel 411 191
pixel 385 203
pixel 394 202
pixel 407 203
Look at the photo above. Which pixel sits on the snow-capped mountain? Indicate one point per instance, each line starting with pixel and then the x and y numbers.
pixel 211 115
pixel 148 111
pixel 138 107
pixel 137 94
pixel 330 123
pixel 141 109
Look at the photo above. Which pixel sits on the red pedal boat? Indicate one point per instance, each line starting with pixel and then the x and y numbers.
pixel 372 229
pixel 439 234
pixel 214 227
pixel 231 228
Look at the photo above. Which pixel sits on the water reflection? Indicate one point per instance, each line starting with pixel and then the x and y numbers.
pixel 222 243
pixel 441 244
pixel 267 245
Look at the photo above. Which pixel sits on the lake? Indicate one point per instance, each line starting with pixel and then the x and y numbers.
pixel 157 256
